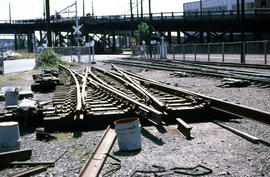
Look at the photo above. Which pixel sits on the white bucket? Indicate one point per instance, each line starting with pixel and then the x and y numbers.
pixel 9 136
pixel 128 134
pixel 12 96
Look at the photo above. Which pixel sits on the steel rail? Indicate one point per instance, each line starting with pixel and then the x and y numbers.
pixel 232 71
pixel 156 102
pixel 124 82
pixel 94 164
pixel 174 104
pixel 191 70
pixel 256 66
pixel 32 171
pixel 84 87
pixel 78 92
pixel 155 115
pixel 100 107
pixel 217 104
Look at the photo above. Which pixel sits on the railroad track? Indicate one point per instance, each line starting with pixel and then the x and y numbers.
pixel 118 93
pixel 257 78
pixel 159 98
pixel 256 66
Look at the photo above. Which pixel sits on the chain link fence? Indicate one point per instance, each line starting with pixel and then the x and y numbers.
pixel 1 61
pixel 80 54
pixel 253 52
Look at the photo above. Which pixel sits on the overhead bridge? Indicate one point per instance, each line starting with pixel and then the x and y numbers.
pixel 210 26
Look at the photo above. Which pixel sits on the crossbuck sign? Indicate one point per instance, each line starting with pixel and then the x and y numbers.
pixel 77 30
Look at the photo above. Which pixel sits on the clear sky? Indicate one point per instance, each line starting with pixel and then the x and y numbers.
pixel 28 9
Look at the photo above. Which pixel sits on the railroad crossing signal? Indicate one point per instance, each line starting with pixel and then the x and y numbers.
pixel 77 30
pixel 133 40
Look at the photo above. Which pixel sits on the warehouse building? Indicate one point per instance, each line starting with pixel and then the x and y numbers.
pixel 226 5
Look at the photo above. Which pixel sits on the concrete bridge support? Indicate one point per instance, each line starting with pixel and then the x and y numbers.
pixel 15 42
pixel 114 42
pixel 29 41
pixel 178 37
pixel 169 37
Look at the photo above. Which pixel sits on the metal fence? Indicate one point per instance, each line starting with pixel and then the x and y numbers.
pixel 253 52
pixel 1 61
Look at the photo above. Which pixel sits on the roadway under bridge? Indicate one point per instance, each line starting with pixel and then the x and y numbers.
pixel 222 26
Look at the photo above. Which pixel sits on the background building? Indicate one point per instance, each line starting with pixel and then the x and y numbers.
pixel 219 5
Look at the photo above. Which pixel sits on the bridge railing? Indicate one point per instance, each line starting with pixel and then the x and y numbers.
pixel 253 52
pixel 155 16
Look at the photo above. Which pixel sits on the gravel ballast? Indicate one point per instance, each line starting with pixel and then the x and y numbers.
pixel 163 148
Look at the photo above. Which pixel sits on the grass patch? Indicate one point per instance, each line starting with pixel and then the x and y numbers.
pixel 7 78
pixel 127 49
pixel 23 55
pixel 51 59
pixel 65 137
pixel 13 77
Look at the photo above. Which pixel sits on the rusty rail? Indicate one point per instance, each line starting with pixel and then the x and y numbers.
pixel 78 92
pixel 157 103
pixel 84 86
pixel 31 171
pixel 94 164
pixel 220 105
pixel 155 115
pixel 199 71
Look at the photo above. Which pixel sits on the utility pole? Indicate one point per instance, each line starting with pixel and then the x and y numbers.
pixel 83 9
pixel 131 19
pixel 238 8
pixel 141 10
pixel 9 14
pixel 201 33
pixel 243 48
pixel 92 8
pixel 48 25
pixel 149 6
pixel 130 3
pixel 137 8
pixel 201 7
pixel 150 29
pixel 44 10
pixel 242 9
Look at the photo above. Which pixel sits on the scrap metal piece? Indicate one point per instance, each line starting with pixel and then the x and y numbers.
pixel 31 171
pixel 18 155
pixel 230 82
pixel 42 135
pixel 184 128
pixel 248 137
pixel 47 163
pixel 95 163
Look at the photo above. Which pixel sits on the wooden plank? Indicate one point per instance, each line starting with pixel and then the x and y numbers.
pixel 18 155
